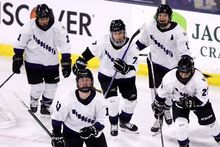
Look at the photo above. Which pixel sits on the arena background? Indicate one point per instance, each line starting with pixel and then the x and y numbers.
pixel 87 22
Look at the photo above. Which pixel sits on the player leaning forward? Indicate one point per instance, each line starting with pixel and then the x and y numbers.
pixel 110 52
pixel 40 39
pixel 190 93
pixel 81 114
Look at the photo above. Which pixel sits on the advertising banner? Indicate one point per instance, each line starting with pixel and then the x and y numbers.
pixel 88 21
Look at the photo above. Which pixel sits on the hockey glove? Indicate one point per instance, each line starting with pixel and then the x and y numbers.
pixel 158 107
pixel 17 63
pixel 57 140
pixel 87 132
pixel 189 102
pixel 121 66
pixel 66 67
pixel 79 65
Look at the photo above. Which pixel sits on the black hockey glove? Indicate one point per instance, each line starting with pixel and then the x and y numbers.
pixel 87 132
pixel 121 66
pixel 57 140
pixel 17 63
pixel 189 102
pixel 66 67
pixel 79 65
pixel 158 107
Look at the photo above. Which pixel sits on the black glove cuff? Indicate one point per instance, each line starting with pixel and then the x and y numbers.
pixel 160 99
pixel 87 54
pixel 66 57
pixel 17 57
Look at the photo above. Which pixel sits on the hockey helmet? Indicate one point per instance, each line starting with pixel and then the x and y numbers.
pixel 164 8
pixel 118 32
pixel 186 64
pixel 42 11
pixel 84 73
pixel 117 25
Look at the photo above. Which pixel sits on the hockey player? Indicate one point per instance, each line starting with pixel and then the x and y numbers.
pixel 81 114
pixel 40 39
pixel 110 52
pixel 190 93
pixel 168 42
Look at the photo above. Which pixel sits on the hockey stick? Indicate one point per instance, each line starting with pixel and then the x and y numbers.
pixel 123 56
pixel 206 75
pixel 33 115
pixel 155 92
pixel 7 80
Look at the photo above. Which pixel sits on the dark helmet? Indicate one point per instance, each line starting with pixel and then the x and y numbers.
pixel 83 74
pixel 163 8
pixel 43 10
pixel 117 25
pixel 186 64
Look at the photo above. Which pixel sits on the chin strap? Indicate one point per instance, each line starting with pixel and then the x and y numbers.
pixel 91 88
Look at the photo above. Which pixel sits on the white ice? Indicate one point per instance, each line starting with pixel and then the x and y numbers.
pixel 27 131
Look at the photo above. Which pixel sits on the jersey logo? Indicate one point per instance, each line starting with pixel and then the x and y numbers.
pixel 82 118
pixel 44 45
pixel 109 56
pixel 167 51
pixel 182 94
pixel 171 38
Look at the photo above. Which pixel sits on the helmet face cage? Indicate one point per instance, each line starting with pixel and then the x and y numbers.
pixel 118 26
pixel 85 73
pixel 186 64
pixel 164 9
pixel 42 11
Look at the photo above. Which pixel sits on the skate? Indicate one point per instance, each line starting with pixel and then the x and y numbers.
pixel 168 117
pixel 156 127
pixel 114 130
pixel 33 105
pixel 129 127
pixel 44 110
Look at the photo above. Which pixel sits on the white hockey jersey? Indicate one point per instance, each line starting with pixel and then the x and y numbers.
pixel 197 86
pixel 41 47
pixel 107 54
pixel 76 115
pixel 166 47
